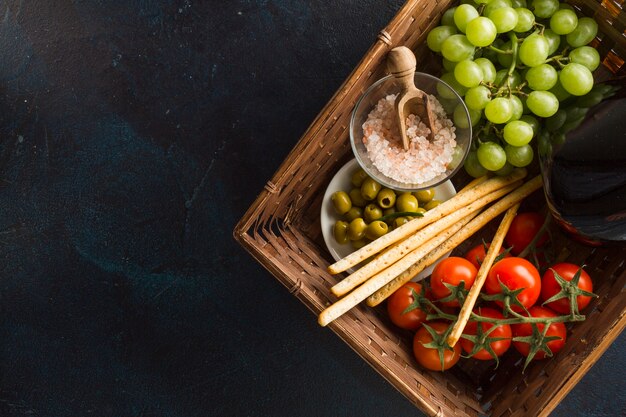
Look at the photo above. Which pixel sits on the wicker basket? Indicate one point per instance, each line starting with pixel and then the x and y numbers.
pixel 282 231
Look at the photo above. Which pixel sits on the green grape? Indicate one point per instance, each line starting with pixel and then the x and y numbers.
pixel 457 48
pixel 464 14
pixel 505 170
pixel 554 122
pixel 584 33
pixel 563 21
pixel 516 4
pixel 448 17
pixel 491 156
pixel 585 55
pixel 505 59
pixel 554 40
pixel 519 156
pixel 457 157
pixel 518 107
pixel 468 73
pixel 525 20
pixel 477 98
pixel 504 18
pixel 515 79
pixel 543 144
pixel 576 79
pixel 534 50
pixel 542 103
pixel 490 54
pixel 460 117
pixel 542 77
pixel 445 92
pixel 495 4
pixel 518 133
pixel 557 138
pixel 574 113
pixel 605 89
pixel 590 99
pixel 448 65
pixel 448 104
pixel 489 71
pixel 532 121
pixel 565 6
pixel 559 92
pixel 439 34
pixel 473 167
pixel 481 31
pixel 545 8
pixel 498 110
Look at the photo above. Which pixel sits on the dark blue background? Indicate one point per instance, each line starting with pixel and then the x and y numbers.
pixel 133 136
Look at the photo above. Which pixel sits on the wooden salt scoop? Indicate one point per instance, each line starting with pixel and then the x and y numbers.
pixel 401 64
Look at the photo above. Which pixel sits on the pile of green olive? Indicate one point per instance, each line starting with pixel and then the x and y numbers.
pixel 368 210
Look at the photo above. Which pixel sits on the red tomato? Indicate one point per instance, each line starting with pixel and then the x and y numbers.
pixel 477 254
pixel 498 347
pixel 429 357
pixel 525 329
pixel 452 271
pixel 523 229
pixel 399 301
pixel 515 273
pixel 550 287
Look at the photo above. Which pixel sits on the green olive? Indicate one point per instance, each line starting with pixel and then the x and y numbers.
pixel 357 198
pixel 399 221
pixel 421 210
pixel 354 213
pixel 341 201
pixel 358 177
pixel 358 244
pixel 406 202
pixel 376 229
pixel 386 198
pixel 432 204
pixel 340 232
pixel 372 212
pixel 388 211
pixel 370 189
pixel 424 196
pixel 356 229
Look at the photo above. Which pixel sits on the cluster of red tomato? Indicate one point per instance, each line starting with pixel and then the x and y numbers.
pixel 511 275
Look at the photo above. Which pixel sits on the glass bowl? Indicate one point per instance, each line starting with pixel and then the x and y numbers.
pixel 430 85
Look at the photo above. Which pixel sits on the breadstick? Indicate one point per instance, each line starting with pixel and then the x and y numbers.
pixel 355 297
pixel 458 201
pixel 481 276
pixel 473 183
pixel 395 253
pixel 361 293
pixel 476 224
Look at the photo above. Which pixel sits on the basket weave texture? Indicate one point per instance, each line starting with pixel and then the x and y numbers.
pixel 282 231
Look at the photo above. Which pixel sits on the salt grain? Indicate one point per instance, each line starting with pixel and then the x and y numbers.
pixel 425 159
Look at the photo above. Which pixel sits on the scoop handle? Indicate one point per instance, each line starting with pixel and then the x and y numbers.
pixel 401 64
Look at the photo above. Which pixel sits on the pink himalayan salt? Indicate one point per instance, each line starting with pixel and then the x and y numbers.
pixel 424 160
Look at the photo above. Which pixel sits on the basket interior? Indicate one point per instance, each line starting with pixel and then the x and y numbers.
pixel 282 231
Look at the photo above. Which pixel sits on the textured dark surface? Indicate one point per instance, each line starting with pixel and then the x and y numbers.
pixel 133 135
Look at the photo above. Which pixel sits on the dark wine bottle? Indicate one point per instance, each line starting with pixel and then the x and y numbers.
pixel 584 174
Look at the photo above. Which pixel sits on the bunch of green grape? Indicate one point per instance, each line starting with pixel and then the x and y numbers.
pixel 369 210
pixel 515 63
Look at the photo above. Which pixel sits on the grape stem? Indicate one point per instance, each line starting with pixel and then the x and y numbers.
pixel 514 47
pixel 541 27
pixel 501 51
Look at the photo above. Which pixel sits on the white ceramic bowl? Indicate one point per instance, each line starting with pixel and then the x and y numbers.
pixel 328 216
